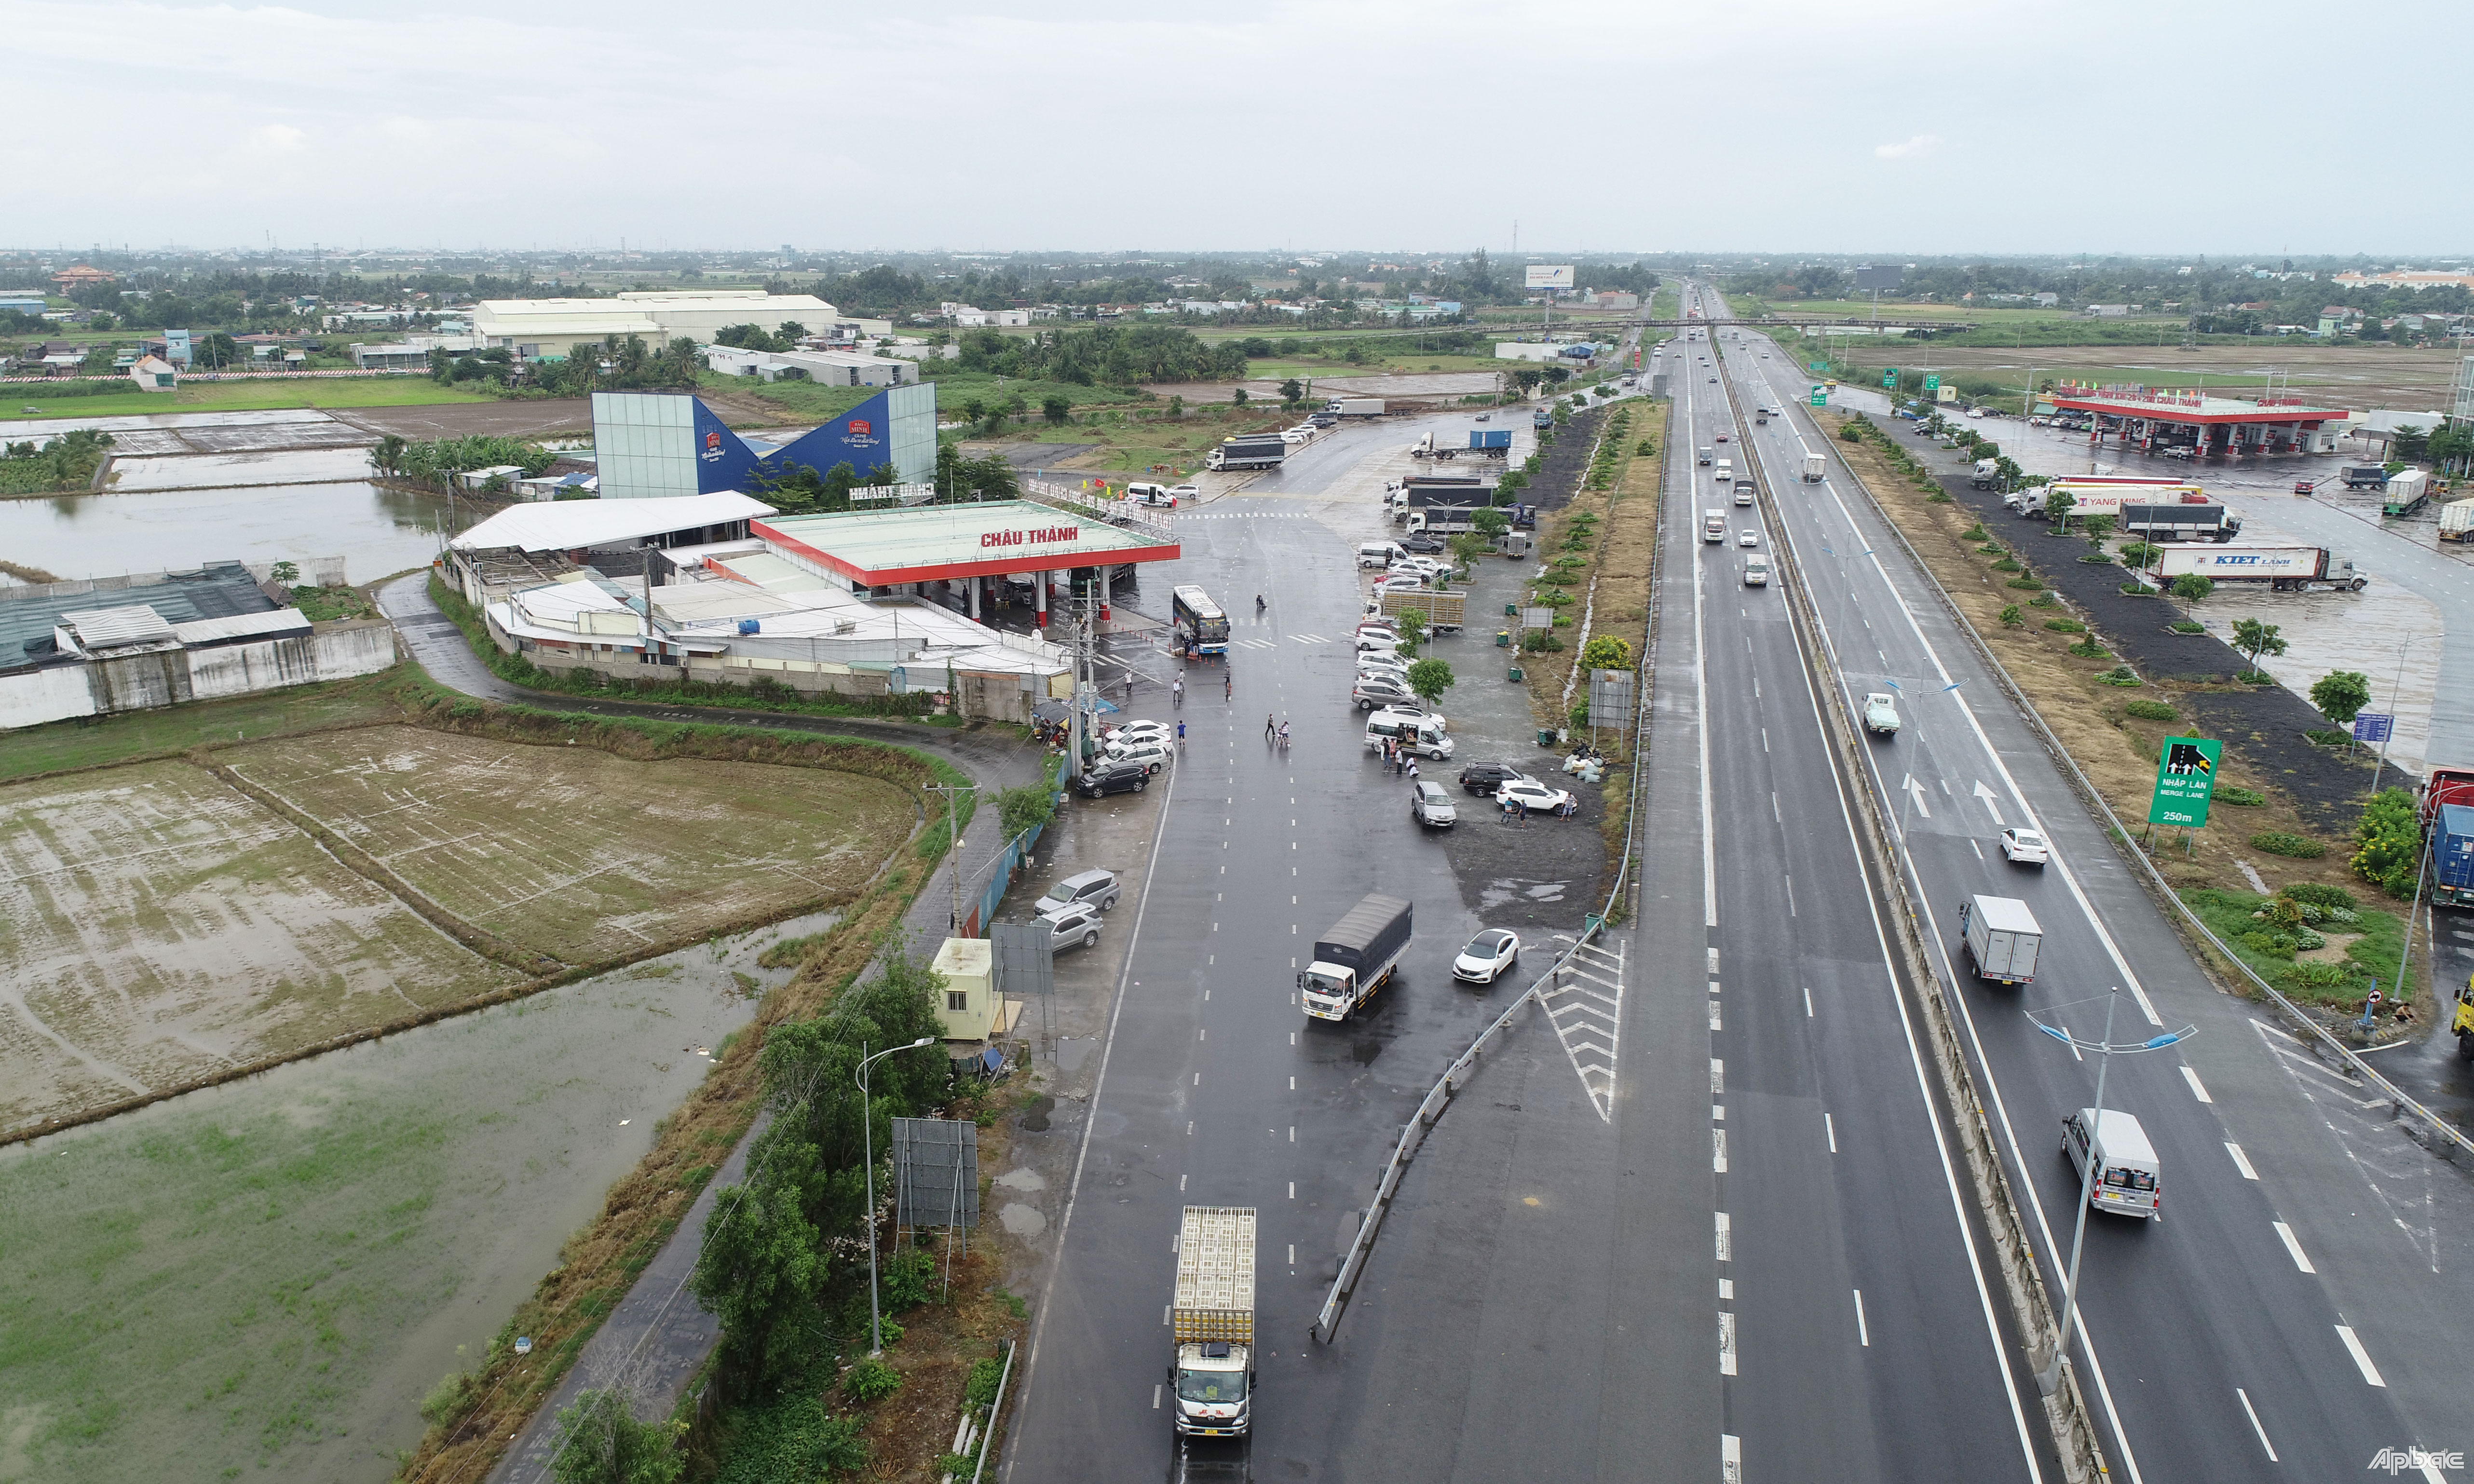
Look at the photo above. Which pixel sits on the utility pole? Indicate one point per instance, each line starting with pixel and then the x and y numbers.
pixel 954 838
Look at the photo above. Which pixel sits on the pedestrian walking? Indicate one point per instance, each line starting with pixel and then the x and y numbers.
pixel 1522 804
pixel 1228 687
pixel 1176 691
pixel 1270 726
pixel 1180 736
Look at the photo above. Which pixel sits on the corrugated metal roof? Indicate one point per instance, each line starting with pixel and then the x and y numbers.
pixel 216 590
pixel 242 626
pixel 105 628
pixel 565 525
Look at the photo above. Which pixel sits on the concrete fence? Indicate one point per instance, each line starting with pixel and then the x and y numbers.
pixel 172 677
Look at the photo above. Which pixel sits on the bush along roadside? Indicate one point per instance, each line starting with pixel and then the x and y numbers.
pixel 2314 941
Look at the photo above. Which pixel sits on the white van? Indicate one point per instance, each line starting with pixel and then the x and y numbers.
pixel 1421 735
pixel 2131 1184
pixel 1141 493
pixel 1380 554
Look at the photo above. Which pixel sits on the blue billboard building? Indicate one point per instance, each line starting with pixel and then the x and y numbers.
pixel 652 445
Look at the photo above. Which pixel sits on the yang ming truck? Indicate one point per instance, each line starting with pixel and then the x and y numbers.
pixel 1356 956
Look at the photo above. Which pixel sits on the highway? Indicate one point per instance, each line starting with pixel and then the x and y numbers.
pixel 2213 1349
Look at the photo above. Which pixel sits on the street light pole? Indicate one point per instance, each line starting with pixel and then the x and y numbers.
pixel 954 839
pixel 867 1141
pixel 2050 1379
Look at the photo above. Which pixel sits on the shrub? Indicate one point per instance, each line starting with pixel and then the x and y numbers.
pixel 2044 599
pixel 2007 565
pixel 2154 711
pixel 2271 945
pixel 2011 617
pixel 2120 674
pixel 1606 652
pixel 1538 640
pixel 448 1399
pixel 2188 626
pixel 2322 736
pixel 2089 649
pixel 2065 626
pixel 2136 591
pixel 1020 808
pixel 2278 842
pixel 2389 837
pixel 986 1374
pixel 908 1281
pixel 2313 894
pixel 2317 975
pixel 871 1380
pixel 1851 434
pixel 2237 794
pixel 2026 583
pixel 1993 548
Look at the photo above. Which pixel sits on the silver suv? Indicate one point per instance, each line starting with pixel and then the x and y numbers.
pixel 1098 888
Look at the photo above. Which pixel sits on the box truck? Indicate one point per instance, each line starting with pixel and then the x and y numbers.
pixel 1211 1318
pixel 1714 525
pixel 2457 521
pixel 2405 493
pixel 2180 523
pixel 1354 957
pixel 2284 568
pixel 1251 450
pixel 2001 938
pixel 2364 476
pixel 1815 468
pixel 1355 406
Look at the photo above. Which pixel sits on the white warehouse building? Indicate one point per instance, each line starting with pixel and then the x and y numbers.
pixel 538 328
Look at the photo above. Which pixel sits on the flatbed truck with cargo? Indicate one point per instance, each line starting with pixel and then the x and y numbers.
pixel 1211 1318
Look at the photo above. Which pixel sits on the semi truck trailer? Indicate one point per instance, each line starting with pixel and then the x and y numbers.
pixel 1211 1316
pixel 2180 523
pixel 1251 450
pixel 1355 406
pixel 2283 568
pixel 1354 957
pixel 2457 521
pixel 1483 444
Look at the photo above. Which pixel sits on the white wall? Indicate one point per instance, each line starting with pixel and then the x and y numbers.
pixel 37 696
pixel 144 681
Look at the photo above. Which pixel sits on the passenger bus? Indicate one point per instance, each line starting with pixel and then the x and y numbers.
pixel 1200 626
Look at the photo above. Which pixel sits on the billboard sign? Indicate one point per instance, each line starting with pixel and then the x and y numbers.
pixel 1879 277
pixel 2372 726
pixel 2186 779
pixel 1548 275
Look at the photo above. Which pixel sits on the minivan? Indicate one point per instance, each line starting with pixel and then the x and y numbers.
pixel 1421 735
pixel 1379 554
pixel 2130 1184
pixel 1140 493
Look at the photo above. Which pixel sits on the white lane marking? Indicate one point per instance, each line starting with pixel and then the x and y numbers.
pixel 1718 1150
pixel 1293 1254
pixel 1718 1112
pixel 2285 1235
pixel 1701 716
pixel 1731 1459
pixel 1155 1396
pixel 1725 1344
pixel 1990 806
pixel 1714 1016
pixel 1293 1189
pixel 2241 1161
pixel 1808 1002
pixel 1828 1126
pixel 1790 894
pixel 2196 1090
pixel 1863 1335
pixel 2147 1007
pixel 2254 1424
pixel 1977 848
pixel 1727 1288
pixel 1726 1238
pixel 2362 1356
pixel 1717 1077
pixel 1180 1185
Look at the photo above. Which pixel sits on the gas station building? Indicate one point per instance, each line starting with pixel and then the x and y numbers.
pixel 2152 420
pixel 967 556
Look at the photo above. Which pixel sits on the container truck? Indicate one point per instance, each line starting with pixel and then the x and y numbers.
pixel 1355 406
pixel 1816 469
pixel 2444 786
pixel 2452 856
pixel 2405 493
pixel 2284 568
pixel 1211 1316
pixel 1445 612
pixel 1250 451
pixel 1483 442
pixel 2001 938
pixel 2364 476
pixel 2180 523
pixel 1714 525
pixel 1420 491
pixel 2108 498
pixel 1355 957
pixel 2457 521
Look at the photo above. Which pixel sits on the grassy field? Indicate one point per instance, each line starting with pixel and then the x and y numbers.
pixel 578 854
pixel 263 1278
pixel 27 401
pixel 91 741
pixel 159 925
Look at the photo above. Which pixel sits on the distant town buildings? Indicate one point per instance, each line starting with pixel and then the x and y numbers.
pixel 2404 278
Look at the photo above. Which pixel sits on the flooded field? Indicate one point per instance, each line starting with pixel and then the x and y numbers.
pixel 576 853
pixel 158 925
pixel 222 470
pixel 266 1278
pixel 377 531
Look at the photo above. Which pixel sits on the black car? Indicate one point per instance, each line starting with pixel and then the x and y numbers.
pixel 1483 778
pixel 1114 778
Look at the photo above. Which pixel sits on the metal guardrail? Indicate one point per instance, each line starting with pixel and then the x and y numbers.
pixel 2451 1141
pixel 1438 1097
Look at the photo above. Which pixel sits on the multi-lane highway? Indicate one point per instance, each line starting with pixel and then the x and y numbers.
pixel 1756 1258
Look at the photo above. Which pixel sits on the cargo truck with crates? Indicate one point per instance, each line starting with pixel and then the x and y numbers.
pixel 1354 957
pixel 1445 612
pixel 1211 1322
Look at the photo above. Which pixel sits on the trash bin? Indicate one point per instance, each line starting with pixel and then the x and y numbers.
pixel 1511 611
pixel 1503 638
pixel 1545 737
pixel 1514 675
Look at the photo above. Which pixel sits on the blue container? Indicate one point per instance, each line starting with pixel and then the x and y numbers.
pixel 2452 856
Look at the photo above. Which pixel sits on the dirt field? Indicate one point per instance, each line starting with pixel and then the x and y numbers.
pixel 543 418
pixel 2353 377
pixel 157 925
pixel 578 854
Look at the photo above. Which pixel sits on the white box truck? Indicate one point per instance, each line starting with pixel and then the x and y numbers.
pixel 1355 406
pixel 1714 525
pixel 2001 938
pixel 1212 1319
pixel 1816 469
pixel 2457 521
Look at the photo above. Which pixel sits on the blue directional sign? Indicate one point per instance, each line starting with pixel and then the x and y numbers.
pixel 2372 725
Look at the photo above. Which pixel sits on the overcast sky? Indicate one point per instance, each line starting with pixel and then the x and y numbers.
pixel 1598 124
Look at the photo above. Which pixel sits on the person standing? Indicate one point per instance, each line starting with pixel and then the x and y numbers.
pixel 1269 726
pixel 1176 690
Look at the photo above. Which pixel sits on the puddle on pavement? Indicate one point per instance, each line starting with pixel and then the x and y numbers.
pixel 1021 1220
pixel 1509 888
pixel 1364 1052
pixel 1022 1180
pixel 1072 1051
pixel 1034 1116
pixel 2349 631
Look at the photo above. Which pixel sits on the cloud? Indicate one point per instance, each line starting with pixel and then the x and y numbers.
pixel 1920 144
pixel 278 138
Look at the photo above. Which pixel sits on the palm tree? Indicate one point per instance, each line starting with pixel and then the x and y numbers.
pixel 387 458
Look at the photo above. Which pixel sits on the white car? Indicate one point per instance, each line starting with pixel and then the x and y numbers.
pixel 1145 731
pixel 1881 714
pixel 1749 538
pixel 1406 582
pixel 1296 435
pixel 1541 798
pixel 2024 846
pixel 1389 667
pixel 1147 750
pixel 1487 956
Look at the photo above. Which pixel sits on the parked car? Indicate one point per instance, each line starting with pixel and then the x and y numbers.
pixel 1112 777
pixel 1485 417
pixel 1152 754
pixel 1083 888
pixel 1157 731
pixel 1182 492
pixel 1296 435
pixel 2022 847
pixel 1423 544
pixel 1430 805
pixel 1389 667
pixel 1482 778
pixel 1403 582
pixel 1487 956
pixel 1072 927
pixel 1372 691
pixel 1541 798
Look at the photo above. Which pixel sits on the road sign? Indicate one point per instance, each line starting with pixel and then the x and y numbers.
pixel 1821 396
pixel 1933 383
pixel 1547 276
pixel 1611 699
pixel 1538 618
pixel 2372 726
pixel 2185 778
pixel 1817 366
pixel 1890 378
